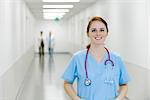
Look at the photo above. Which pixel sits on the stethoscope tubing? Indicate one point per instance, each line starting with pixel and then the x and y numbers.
pixel 85 63
pixel 108 58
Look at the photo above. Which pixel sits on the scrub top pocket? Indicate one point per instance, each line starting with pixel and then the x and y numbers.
pixel 109 81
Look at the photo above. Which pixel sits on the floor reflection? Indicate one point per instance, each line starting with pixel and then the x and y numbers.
pixel 44 78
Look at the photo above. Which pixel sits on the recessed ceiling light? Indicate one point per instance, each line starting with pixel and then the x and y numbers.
pixel 61 0
pixel 55 10
pixel 61 13
pixel 52 17
pixel 47 15
pixel 54 14
pixel 57 6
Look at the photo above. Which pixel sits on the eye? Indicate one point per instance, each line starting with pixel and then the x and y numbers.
pixel 93 30
pixel 102 30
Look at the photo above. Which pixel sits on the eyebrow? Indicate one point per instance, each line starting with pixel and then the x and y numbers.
pixel 96 28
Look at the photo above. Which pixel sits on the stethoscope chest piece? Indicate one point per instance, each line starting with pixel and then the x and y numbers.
pixel 87 82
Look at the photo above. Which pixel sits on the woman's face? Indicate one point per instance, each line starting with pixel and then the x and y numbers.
pixel 97 32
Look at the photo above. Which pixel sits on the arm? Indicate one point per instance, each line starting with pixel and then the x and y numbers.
pixel 70 91
pixel 122 92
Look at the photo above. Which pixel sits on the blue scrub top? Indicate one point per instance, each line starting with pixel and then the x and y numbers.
pixel 105 79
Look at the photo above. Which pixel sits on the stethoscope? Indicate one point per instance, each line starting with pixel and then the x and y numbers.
pixel 87 81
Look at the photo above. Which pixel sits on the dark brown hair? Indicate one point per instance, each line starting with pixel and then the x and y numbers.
pixel 95 18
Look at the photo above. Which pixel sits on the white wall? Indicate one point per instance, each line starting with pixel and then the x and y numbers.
pixel 17 38
pixel 58 29
pixel 148 44
pixel 148 30
pixel 77 33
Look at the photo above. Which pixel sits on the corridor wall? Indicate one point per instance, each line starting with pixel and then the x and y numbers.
pixel 16 42
pixel 148 37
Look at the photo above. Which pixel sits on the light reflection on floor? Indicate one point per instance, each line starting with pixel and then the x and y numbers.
pixel 44 80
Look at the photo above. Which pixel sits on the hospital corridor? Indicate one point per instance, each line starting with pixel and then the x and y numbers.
pixel 47 49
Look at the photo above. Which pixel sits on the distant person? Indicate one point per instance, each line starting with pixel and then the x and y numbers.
pixel 41 44
pixel 51 43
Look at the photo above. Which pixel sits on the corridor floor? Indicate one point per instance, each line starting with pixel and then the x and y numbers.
pixel 43 80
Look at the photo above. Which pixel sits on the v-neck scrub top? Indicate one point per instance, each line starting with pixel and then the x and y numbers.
pixel 105 79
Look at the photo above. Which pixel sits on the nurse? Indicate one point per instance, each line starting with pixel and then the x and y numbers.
pixel 100 73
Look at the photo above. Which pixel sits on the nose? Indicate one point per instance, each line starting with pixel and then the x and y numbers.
pixel 98 33
pixel 101 33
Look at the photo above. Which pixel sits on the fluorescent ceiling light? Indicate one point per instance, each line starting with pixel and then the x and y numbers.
pixel 57 6
pixel 55 10
pixel 53 15
pixel 61 0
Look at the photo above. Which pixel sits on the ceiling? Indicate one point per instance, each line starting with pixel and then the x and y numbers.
pixel 36 7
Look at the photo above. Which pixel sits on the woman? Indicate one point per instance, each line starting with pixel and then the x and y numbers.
pixel 99 72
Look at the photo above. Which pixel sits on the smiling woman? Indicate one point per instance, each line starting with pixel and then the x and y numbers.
pixel 97 30
pixel 99 71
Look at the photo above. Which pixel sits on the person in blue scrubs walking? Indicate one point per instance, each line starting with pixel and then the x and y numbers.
pixel 100 73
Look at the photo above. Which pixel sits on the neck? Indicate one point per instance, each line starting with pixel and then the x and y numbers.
pixel 97 48
pixel 97 51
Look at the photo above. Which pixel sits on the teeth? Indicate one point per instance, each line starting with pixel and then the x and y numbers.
pixel 98 38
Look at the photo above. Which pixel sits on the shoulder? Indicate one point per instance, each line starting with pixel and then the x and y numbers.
pixel 80 53
pixel 78 56
pixel 115 55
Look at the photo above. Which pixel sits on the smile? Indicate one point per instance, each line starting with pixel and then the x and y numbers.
pixel 98 38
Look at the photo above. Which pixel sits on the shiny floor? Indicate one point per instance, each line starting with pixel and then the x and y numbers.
pixel 43 81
